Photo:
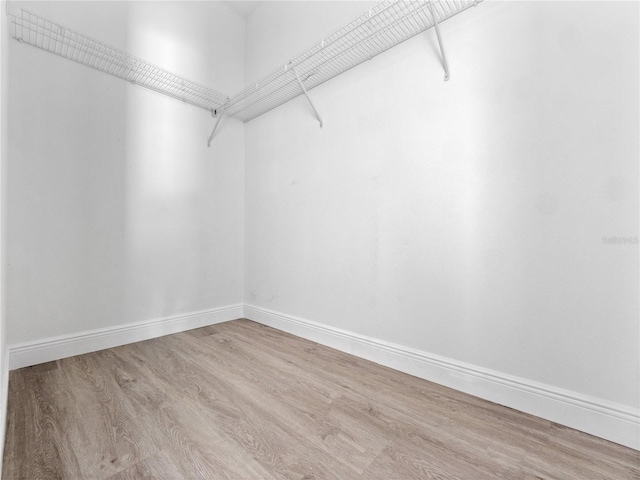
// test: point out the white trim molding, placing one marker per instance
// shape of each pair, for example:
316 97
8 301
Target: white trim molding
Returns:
41 351
608 420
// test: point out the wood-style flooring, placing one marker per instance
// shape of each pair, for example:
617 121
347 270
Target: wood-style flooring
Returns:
242 401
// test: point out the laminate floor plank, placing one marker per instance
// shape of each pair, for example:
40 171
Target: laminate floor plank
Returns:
290 425
416 407
213 418
234 407
158 466
302 407
404 433
240 400
36 420
165 412
109 435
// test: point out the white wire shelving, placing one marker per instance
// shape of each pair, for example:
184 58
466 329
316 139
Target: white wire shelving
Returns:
380 28
385 25
39 32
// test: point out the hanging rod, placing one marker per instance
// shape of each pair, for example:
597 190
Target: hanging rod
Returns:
36 31
383 26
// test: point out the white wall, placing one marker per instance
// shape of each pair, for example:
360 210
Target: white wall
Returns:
464 219
117 210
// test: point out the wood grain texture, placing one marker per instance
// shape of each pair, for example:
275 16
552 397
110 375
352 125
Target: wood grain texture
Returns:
240 400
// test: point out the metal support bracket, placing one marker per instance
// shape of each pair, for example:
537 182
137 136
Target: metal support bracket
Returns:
444 57
220 116
304 90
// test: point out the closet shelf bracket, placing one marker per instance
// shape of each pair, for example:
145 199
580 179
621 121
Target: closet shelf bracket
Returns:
220 115
304 90
440 43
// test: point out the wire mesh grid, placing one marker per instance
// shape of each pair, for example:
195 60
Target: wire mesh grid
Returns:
39 32
382 27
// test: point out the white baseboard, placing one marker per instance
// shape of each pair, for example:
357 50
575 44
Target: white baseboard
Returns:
47 350
614 422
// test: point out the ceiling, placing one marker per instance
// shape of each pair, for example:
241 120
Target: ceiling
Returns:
244 8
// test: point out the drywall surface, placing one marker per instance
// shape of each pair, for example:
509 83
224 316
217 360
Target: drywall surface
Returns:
117 210
473 219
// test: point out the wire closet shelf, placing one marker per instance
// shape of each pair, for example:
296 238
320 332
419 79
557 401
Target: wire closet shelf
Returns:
39 32
385 25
